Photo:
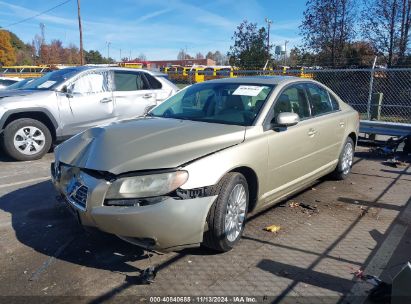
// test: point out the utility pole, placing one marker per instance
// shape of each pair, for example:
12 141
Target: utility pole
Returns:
81 33
285 52
268 21
185 57
108 49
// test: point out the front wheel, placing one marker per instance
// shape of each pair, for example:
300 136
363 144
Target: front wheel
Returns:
26 139
345 160
227 215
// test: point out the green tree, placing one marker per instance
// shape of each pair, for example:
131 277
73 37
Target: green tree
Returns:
16 42
7 53
93 57
300 57
250 48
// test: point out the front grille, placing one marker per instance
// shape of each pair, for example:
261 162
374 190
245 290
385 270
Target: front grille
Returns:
78 195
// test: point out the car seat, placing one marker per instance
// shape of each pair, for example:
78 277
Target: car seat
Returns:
283 104
233 102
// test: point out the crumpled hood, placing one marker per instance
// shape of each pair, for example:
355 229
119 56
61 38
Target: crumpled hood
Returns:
146 144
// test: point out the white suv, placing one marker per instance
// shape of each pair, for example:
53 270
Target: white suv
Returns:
65 102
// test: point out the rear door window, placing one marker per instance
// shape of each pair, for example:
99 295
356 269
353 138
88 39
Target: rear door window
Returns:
319 100
130 81
334 102
154 83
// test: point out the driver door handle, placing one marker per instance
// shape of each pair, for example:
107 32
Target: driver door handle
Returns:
311 132
106 100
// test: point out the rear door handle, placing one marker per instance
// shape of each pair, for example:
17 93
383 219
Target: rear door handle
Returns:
342 124
312 132
106 100
146 96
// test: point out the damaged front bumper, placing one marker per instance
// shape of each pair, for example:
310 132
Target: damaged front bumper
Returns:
170 224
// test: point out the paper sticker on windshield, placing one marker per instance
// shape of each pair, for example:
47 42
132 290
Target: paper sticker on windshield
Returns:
248 90
46 84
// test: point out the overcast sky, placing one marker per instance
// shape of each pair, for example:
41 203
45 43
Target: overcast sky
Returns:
157 28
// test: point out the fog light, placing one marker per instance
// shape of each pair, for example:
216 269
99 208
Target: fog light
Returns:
135 202
123 203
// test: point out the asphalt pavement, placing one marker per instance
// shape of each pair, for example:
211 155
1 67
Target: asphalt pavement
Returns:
328 231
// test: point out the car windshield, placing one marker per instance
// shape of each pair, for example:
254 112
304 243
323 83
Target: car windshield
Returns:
51 80
226 103
20 84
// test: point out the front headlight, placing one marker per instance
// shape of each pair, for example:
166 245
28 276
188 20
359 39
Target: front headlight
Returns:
146 185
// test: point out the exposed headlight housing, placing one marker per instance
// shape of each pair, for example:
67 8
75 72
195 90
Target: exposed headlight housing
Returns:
146 185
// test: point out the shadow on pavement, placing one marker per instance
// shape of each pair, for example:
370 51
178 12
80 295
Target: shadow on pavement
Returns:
49 228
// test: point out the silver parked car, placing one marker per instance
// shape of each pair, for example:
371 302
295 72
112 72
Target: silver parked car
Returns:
190 171
19 84
65 102
5 82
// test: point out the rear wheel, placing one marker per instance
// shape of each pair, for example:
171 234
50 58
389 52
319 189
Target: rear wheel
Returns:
227 215
345 160
26 139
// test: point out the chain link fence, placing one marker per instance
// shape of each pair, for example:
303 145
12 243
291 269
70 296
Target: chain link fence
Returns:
377 94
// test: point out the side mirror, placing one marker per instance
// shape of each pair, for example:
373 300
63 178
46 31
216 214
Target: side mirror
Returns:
67 91
148 109
286 119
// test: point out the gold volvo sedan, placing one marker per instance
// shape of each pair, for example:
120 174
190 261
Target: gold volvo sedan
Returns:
190 170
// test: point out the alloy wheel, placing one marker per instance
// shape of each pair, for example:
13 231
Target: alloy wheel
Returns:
347 159
235 214
29 140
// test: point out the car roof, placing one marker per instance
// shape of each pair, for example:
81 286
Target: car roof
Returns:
116 68
273 80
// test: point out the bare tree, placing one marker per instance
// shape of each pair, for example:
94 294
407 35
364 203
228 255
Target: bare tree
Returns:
142 57
386 24
210 55
181 55
327 27
405 17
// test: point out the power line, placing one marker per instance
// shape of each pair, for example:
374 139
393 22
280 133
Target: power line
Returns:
37 15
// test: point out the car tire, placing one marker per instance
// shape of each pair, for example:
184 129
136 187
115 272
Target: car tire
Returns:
26 139
407 145
345 160
229 208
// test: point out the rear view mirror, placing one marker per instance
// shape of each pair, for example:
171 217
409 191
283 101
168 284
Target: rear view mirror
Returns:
287 119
